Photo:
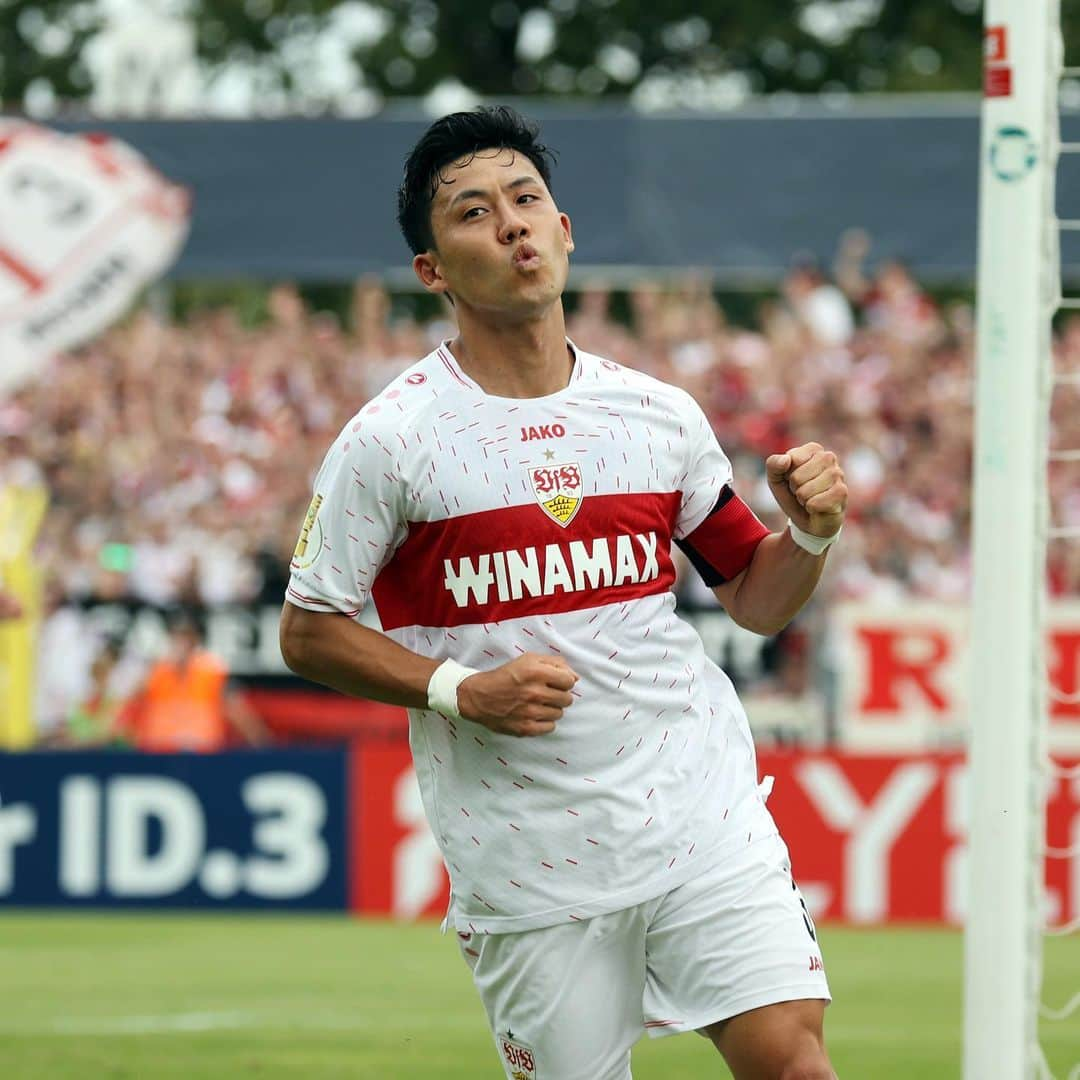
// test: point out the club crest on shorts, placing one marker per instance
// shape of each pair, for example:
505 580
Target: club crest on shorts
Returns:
519 1057
558 490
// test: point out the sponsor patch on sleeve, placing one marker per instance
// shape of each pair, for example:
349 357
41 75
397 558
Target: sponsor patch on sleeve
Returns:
311 539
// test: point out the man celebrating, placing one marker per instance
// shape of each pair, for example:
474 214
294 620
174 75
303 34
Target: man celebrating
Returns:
503 513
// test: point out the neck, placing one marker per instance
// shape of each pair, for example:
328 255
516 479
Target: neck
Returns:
517 360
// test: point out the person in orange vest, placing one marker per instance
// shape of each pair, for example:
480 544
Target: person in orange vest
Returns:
187 703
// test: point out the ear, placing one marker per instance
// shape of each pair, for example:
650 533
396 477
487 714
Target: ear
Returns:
426 267
568 235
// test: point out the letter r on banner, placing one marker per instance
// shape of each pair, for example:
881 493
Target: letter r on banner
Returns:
901 661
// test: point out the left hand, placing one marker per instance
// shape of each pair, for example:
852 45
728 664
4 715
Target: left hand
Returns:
808 485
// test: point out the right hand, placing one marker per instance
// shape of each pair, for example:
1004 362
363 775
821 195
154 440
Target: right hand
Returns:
523 697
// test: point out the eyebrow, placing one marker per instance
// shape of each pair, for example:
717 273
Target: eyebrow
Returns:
474 193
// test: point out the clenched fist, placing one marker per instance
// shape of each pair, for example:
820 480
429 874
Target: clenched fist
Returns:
523 697
808 484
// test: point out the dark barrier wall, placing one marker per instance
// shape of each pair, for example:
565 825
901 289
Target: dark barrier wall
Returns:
241 829
739 193
246 638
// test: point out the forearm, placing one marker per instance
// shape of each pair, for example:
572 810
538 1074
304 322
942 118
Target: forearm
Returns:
333 650
245 720
780 579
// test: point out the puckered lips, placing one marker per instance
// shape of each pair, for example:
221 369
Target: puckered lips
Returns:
526 257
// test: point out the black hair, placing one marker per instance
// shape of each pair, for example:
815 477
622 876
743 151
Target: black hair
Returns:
455 136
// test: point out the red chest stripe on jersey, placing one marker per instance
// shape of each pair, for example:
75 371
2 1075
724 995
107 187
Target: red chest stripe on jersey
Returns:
516 562
722 546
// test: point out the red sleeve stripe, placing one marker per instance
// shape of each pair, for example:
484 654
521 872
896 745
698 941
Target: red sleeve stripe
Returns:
308 599
722 546
291 592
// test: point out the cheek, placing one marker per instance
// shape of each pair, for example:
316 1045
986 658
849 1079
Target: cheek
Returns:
470 274
464 266
476 270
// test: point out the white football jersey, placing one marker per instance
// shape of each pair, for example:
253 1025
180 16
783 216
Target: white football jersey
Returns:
479 528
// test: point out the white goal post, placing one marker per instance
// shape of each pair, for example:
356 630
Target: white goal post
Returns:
1018 290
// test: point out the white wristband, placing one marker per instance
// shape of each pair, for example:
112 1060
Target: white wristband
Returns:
442 689
809 542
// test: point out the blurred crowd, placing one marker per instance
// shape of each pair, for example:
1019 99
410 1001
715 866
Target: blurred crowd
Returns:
179 457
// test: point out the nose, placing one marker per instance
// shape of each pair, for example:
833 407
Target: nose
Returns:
513 226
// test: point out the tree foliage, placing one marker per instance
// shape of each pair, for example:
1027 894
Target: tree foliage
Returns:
696 51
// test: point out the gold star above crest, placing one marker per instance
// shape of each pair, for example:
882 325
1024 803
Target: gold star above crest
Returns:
549 455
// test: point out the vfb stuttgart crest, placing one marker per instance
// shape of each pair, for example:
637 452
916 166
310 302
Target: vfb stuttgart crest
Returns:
558 491
519 1057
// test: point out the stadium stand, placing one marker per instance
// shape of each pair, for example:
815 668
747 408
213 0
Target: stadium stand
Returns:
178 456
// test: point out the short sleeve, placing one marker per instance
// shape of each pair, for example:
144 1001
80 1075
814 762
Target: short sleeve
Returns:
353 524
715 529
708 472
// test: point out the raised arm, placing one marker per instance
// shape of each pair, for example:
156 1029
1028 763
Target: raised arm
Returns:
808 485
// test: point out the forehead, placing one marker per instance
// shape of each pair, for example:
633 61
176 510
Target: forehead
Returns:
484 169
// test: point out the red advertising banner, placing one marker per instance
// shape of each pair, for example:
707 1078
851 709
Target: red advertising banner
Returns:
996 44
397 868
874 839
997 73
997 81
906 676
882 839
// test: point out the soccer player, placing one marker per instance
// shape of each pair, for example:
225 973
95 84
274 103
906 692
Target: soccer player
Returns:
489 544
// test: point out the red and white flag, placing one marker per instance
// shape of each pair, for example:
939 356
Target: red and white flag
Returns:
85 223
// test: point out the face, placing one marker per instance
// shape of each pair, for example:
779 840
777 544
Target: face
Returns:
501 245
185 640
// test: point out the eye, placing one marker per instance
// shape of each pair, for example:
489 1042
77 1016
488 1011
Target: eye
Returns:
526 195
472 212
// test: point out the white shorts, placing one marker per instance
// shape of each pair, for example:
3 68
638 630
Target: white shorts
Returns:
568 1002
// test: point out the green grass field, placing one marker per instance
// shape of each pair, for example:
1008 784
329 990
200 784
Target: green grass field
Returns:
87 996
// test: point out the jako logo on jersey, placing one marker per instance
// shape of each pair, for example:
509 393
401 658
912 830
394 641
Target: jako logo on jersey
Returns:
558 491
570 567
544 431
